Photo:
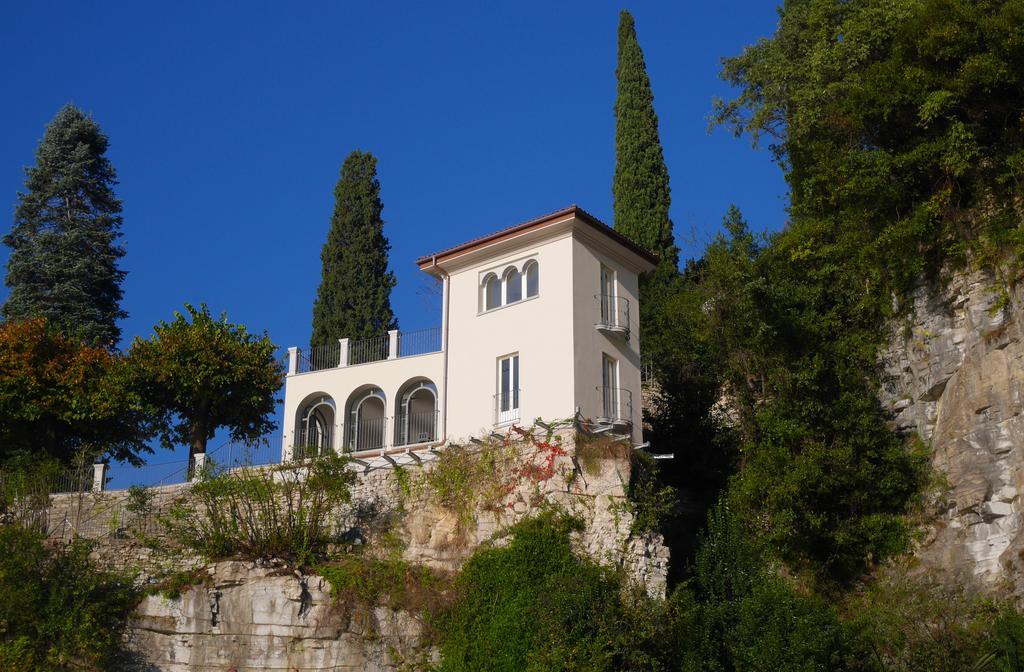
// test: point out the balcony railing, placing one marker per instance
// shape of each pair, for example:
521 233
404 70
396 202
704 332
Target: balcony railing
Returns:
419 342
319 357
415 428
391 345
506 407
367 434
312 444
373 349
616 405
614 313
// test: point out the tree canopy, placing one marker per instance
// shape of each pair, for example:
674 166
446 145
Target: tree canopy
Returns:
64 250
58 396
354 298
640 187
201 374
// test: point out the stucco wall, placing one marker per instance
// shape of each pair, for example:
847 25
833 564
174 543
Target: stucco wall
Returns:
539 329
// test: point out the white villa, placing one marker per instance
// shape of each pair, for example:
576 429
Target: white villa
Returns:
539 321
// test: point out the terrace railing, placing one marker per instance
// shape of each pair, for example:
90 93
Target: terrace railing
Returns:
319 357
373 349
415 428
617 404
419 342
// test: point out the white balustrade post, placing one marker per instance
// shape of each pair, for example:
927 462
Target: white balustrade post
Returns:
99 476
293 361
343 359
198 466
393 344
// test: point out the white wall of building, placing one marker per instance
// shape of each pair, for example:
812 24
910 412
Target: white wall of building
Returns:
390 375
560 350
538 329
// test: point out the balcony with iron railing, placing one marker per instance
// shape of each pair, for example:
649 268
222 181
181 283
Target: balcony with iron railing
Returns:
347 352
616 405
613 317
312 443
506 407
416 428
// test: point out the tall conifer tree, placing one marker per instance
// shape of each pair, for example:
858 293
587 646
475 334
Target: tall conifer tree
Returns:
64 250
354 299
640 188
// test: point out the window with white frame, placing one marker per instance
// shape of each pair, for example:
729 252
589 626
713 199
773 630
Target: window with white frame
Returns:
492 291
507 400
610 386
532 278
513 285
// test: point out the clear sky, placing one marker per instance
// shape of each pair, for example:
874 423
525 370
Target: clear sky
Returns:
228 123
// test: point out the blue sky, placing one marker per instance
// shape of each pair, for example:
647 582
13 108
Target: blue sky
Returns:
228 124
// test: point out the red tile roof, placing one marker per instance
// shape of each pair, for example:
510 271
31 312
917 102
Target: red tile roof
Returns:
574 210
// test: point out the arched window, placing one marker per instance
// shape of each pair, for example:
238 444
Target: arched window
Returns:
513 285
492 292
532 278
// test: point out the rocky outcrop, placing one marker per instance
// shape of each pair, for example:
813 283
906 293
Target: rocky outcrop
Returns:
251 617
955 376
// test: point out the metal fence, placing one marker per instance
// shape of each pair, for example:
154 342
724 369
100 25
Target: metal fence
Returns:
414 428
419 342
372 349
319 357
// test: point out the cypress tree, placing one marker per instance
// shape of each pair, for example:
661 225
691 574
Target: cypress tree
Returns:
640 187
64 250
354 298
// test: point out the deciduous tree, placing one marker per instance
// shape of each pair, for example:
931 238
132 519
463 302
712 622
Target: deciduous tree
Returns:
202 374
64 250
58 396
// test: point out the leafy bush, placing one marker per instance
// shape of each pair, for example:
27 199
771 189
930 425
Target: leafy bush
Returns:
391 582
737 613
290 513
532 605
57 610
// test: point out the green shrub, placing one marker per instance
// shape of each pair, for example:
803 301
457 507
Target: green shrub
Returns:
393 582
532 605
290 513
57 610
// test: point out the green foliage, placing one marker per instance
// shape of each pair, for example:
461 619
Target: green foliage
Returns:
652 503
390 582
899 126
354 298
57 610
59 396
641 186
201 374
64 252
532 605
737 613
284 512
914 622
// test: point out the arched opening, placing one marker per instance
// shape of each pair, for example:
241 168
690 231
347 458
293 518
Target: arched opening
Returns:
492 292
416 418
367 424
513 285
314 430
532 279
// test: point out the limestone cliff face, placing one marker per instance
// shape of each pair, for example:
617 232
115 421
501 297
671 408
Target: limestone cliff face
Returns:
955 375
252 617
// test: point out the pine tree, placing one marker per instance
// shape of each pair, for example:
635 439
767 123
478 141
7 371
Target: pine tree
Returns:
354 298
64 250
640 188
